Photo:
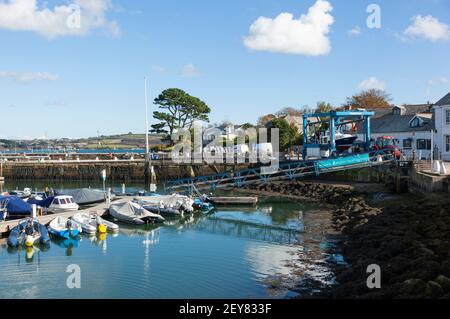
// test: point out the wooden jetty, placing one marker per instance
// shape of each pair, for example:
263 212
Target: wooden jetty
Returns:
101 210
234 200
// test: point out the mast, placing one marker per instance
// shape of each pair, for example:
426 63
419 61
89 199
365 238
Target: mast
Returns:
146 118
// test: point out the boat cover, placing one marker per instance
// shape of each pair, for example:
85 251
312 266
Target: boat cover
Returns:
43 203
16 206
84 196
132 212
169 201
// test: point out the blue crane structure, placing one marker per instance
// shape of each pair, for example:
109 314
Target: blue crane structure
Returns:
334 119
296 169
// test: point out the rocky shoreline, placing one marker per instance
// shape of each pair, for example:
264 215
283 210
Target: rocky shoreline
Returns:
408 239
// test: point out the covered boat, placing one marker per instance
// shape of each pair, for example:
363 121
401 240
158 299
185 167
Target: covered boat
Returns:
85 196
28 232
64 228
133 213
91 223
15 207
170 205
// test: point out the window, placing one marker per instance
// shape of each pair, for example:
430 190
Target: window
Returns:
447 116
416 122
424 144
447 143
397 111
407 143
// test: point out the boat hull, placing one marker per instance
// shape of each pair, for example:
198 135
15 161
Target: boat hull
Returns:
66 234
344 144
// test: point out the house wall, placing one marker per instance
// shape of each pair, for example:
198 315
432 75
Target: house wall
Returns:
420 154
443 129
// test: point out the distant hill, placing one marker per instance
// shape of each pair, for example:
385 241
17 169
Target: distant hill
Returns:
121 141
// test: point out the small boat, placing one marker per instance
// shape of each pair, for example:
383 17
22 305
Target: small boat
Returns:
133 213
158 208
91 223
85 196
163 211
201 204
64 227
56 204
171 205
21 194
344 141
28 232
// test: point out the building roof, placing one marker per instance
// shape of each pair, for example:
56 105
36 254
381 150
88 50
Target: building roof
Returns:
385 121
399 123
444 101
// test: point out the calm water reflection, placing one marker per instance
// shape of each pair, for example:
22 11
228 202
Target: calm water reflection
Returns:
227 254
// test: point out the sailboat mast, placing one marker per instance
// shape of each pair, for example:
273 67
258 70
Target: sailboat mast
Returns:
146 118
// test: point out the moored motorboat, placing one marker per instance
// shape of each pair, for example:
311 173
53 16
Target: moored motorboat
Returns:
133 213
91 223
56 204
28 232
64 227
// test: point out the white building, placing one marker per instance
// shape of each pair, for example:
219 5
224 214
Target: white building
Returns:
442 125
411 125
416 128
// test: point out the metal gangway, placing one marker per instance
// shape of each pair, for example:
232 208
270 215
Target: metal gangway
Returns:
284 171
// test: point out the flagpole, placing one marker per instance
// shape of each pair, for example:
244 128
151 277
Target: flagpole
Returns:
146 118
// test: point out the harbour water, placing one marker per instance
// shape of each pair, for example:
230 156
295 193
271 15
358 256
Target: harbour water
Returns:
234 252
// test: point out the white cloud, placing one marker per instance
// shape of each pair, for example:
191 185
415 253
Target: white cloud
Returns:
428 27
190 71
355 31
75 19
28 77
285 34
372 83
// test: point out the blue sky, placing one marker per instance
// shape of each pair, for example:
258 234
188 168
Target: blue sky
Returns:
65 84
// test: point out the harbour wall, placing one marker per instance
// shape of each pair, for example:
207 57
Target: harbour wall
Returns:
120 171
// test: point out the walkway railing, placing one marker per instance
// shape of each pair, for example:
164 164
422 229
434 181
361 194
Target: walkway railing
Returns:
285 171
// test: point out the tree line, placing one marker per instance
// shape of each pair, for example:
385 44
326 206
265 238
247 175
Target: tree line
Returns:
179 110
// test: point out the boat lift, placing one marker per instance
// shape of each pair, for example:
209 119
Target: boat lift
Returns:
335 119
308 167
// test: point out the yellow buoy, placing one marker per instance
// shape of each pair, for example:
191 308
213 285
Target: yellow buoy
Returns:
29 242
102 229
102 236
